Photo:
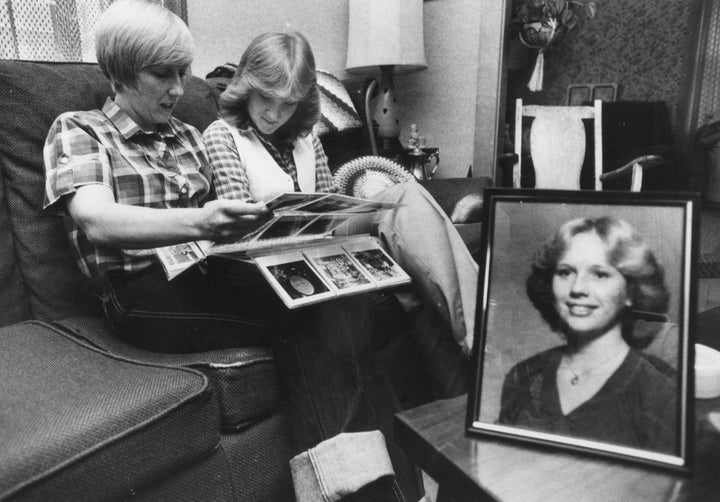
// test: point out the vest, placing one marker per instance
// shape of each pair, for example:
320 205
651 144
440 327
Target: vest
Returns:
266 178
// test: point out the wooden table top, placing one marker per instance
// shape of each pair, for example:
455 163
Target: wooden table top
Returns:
486 468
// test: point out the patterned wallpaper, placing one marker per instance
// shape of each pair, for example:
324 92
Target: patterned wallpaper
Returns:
638 44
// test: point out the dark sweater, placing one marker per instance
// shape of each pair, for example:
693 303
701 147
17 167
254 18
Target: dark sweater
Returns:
636 407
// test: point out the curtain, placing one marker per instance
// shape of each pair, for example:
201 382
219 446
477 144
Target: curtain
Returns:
56 30
709 106
699 102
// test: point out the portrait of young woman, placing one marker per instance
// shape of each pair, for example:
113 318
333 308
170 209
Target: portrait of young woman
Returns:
584 337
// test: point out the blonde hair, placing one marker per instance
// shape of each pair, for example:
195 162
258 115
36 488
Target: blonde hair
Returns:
626 251
133 35
281 65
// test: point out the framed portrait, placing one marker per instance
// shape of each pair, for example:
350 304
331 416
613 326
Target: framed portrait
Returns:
604 92
583 338
585 94
579 95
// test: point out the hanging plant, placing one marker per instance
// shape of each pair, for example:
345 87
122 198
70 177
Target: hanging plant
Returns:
542 24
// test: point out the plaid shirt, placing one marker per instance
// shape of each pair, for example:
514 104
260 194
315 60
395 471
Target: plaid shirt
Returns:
167 169
229 170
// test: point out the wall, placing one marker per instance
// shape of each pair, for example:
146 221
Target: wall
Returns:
440 99
223 28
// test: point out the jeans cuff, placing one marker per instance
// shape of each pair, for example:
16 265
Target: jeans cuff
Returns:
340 466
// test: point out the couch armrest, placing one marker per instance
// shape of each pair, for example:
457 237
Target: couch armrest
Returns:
460 198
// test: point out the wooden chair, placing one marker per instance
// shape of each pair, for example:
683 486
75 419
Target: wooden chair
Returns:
556 142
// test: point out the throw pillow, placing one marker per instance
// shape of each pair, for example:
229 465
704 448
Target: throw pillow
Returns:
336 106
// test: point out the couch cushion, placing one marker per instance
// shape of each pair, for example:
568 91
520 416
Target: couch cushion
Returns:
33 95
260 457
244 379
210 478
71 413
13 298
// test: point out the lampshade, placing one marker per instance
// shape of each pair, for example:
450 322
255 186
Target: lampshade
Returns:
385 32
385 35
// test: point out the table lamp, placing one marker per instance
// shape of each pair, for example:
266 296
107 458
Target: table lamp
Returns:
385 35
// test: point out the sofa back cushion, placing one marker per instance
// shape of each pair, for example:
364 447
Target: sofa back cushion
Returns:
38 276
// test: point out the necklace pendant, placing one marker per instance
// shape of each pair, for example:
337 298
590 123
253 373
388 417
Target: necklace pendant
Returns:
574 380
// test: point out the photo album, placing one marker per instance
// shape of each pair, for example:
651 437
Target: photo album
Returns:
297 254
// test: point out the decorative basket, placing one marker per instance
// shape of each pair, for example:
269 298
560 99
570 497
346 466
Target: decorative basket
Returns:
365 176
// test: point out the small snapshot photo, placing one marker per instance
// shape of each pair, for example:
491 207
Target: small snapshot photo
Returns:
323 224
339 269
332 203
183 253
377 263
605 92
579 95
582 336
294 279
285 225
291 199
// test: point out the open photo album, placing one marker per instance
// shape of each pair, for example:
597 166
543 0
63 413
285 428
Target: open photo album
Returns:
313 274
297 253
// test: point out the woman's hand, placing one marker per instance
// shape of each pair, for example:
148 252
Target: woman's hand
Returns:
105 222
232 219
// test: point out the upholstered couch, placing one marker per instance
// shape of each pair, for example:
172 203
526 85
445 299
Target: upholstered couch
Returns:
84 416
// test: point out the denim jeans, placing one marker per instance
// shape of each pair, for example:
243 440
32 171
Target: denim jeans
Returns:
350 466
422 239
325 354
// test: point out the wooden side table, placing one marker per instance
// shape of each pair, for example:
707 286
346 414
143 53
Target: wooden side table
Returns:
482 468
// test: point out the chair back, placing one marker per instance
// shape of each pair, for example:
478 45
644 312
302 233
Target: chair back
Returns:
556 142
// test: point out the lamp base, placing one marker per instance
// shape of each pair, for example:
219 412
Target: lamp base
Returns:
390 146
385 113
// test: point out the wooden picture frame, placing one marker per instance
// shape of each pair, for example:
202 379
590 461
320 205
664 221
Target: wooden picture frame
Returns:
604 92
585 94
522 387
579 95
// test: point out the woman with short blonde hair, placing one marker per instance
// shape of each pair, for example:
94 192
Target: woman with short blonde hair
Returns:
136 35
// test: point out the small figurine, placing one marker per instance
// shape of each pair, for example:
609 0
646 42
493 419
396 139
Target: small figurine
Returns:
414 140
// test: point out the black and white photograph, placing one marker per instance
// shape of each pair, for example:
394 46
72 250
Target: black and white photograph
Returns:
322 224
584 339
148 146
578 95
339 269
294 279
285 226
289 200
605 92
184 253
377 263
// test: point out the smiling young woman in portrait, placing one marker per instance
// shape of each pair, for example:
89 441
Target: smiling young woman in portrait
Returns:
587 282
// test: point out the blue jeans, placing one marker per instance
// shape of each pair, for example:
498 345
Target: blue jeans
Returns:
350 466
441 300
325 354
422 239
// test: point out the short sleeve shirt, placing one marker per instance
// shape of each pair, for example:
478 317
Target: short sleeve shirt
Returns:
164 169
